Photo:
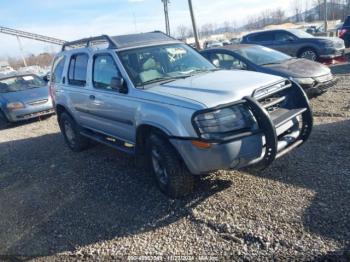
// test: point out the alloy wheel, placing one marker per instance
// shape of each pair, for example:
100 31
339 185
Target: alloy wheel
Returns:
159 167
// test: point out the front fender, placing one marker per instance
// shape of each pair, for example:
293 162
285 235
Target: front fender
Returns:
172 120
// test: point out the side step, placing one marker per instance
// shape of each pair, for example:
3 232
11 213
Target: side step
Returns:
110 141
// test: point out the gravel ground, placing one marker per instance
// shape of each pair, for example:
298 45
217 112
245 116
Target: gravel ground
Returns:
60 205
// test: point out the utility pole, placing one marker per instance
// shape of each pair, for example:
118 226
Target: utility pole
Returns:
195 32
325 17
166 14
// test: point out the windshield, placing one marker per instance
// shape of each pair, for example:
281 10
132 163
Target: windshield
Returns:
159 63
20 83
300 33
260 55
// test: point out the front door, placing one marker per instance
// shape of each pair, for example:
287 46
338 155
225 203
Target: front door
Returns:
112 112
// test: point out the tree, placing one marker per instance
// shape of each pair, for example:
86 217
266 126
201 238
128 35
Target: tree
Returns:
182 32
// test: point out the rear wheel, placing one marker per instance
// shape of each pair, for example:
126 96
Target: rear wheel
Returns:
308 53
171 174
71 132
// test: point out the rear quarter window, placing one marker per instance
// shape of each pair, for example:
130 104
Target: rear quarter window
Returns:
57 69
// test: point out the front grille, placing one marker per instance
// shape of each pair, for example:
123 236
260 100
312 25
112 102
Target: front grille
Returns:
273 102
272 97
38 102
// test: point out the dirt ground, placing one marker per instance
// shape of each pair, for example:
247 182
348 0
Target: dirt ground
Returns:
60 205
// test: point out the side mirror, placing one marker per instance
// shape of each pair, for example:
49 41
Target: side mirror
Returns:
118 84
216 62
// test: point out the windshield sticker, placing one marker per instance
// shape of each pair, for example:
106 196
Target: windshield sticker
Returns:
28 78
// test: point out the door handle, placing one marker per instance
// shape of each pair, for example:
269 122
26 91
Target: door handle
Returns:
92 97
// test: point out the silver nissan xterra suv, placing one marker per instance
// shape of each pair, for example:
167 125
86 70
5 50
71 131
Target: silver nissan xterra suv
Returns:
157 98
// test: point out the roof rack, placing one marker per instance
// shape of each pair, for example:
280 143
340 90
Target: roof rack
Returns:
90 41
122 41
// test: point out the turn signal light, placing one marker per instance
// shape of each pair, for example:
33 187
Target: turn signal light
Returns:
201 144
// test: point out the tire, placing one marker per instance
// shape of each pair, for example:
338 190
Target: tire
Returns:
308 53
3 120
170 173
71 133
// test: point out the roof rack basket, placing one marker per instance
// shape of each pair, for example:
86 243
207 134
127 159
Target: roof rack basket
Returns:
87 42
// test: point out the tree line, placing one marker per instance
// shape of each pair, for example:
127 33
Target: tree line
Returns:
42 60
301 10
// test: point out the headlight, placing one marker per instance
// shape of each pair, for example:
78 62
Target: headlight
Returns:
219 123
15 105
304 81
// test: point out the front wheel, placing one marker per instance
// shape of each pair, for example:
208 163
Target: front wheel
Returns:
171 174
71 132
3 120
309 53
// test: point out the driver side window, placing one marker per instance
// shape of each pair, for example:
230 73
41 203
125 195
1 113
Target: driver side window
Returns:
105 72
227 61
283 37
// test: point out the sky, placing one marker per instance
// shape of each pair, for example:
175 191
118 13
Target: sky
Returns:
74 19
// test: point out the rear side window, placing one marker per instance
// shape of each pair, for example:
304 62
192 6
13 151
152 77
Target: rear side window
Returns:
262 37
78 69
57 69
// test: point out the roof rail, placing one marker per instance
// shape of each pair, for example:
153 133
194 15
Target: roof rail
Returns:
86 42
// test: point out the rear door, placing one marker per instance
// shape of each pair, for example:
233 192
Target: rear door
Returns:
76 85
263 38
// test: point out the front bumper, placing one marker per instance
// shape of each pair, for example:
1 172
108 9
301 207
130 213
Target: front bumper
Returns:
30 111
320 88
276 136
332 53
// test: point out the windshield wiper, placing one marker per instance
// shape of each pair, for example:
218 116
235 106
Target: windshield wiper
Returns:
168 79
162 79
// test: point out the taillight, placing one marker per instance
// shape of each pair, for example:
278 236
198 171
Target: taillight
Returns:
342 32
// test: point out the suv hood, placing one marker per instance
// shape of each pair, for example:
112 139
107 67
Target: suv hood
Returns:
299 68
218 87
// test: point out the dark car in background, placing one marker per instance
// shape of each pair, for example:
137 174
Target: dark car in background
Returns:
298 43
314 77
23 97
344 32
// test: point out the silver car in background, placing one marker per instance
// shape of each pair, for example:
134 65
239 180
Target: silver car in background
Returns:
22 97
298 43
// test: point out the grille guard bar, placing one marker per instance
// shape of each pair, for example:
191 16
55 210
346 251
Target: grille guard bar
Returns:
269 130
